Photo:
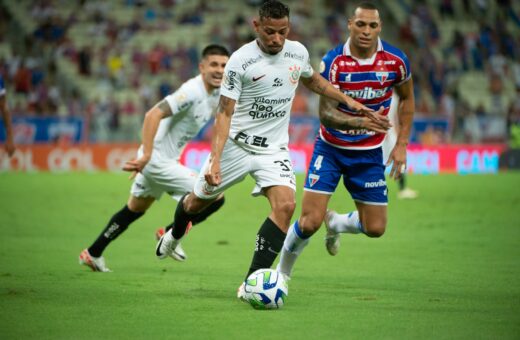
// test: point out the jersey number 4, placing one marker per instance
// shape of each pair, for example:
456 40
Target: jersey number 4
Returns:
317 162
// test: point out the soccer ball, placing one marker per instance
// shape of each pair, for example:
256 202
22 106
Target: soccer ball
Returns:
266 289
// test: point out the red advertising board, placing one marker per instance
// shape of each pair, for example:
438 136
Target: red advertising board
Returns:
111 157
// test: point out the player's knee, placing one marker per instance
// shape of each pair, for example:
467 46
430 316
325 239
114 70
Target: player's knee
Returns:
285 208
375 229
193 205
309 224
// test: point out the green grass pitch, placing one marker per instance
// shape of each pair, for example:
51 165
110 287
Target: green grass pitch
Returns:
447 268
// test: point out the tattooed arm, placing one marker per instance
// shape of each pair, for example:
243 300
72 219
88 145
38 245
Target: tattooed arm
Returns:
331 117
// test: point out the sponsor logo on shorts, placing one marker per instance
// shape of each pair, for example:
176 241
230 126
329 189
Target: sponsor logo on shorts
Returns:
380 183
259 77
313 179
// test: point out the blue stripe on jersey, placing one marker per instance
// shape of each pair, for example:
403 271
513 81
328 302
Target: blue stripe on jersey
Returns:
2 86
359 77
348 138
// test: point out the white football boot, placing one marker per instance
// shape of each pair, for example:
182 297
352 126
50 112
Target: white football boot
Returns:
407 194
167 246
332 241
241 292
97 264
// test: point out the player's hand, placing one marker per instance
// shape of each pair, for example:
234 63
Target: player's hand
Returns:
357 106
372 125
136 165
398 160
212 175
377 116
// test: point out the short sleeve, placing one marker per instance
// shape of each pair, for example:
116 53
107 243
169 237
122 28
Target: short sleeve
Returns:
307 70
404 73
326 64
232 83
182 99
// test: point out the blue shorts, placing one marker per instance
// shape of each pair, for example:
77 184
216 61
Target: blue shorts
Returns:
363 172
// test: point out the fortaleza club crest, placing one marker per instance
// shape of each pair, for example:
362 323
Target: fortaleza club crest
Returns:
294 74
313 178
382 76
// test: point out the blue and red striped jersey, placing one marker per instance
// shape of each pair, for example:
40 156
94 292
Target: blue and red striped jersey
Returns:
369 81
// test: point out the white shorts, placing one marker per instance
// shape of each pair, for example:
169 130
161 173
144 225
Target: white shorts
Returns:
236 163
172 178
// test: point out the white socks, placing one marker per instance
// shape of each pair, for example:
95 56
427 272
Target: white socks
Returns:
347 223
293 245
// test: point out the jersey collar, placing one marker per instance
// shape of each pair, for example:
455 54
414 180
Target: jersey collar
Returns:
346 51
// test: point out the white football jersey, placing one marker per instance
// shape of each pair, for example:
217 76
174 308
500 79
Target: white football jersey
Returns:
263 86
191 106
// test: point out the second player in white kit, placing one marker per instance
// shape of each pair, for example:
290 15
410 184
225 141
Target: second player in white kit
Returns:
167 128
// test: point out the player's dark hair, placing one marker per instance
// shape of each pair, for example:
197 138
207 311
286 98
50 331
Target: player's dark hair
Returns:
214 49
365 5
273 9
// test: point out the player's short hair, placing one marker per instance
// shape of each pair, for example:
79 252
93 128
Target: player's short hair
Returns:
214 49
365 5
273 9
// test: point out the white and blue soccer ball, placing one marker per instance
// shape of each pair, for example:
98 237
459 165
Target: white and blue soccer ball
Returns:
266 289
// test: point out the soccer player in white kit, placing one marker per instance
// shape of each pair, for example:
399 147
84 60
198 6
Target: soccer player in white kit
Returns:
251 131
167 128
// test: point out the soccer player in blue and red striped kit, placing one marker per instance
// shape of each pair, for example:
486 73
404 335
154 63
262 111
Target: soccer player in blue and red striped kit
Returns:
367 69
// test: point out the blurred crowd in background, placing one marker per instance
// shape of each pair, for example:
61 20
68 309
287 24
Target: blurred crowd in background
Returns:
110 61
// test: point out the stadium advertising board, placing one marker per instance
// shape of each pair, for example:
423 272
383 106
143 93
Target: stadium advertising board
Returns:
462 159
29 130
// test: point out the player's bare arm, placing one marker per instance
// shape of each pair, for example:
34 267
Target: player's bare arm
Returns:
151 123
333 118
321 86
6 116
405 114
225 109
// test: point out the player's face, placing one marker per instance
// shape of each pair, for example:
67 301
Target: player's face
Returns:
364 28
212 69
271 33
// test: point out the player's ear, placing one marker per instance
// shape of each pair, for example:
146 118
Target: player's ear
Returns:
202 65
256 25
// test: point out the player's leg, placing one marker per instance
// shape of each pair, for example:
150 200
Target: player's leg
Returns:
178 180
271 235
314 206
192 205
118 223
365 181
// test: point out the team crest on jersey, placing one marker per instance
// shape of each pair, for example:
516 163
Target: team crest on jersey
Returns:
348 77
313 179
294 74
382 76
